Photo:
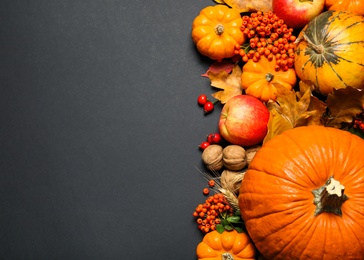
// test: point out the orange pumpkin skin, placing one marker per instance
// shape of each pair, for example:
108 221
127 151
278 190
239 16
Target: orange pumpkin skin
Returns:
259 79
216 31
228 244
355 6
330 51
277 203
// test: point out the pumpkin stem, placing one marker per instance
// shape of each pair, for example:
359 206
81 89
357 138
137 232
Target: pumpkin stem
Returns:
318 48
227 256
219 29
269 77
329 197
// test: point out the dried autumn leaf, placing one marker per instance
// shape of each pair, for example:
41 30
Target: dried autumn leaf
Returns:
315 104
216 67
250 5
343 105
230 83
288 111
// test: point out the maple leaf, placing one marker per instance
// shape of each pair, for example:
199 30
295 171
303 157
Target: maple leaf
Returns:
217 66
288 111
229 83
343 105
248 5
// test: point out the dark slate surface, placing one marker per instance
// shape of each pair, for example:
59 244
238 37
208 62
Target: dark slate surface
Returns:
99 129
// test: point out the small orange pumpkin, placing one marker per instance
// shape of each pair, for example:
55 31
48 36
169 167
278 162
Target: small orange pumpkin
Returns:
355 6
229 245
330 51
259 79
303 195
216 31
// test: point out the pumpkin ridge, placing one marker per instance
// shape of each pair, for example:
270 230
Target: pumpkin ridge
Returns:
336 73
353 230
304 151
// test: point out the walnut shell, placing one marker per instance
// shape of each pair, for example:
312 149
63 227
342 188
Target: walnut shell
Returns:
234 157
212 157
231 180
250 152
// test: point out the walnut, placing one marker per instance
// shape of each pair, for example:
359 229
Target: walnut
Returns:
250 153
234 157
231 180
212 157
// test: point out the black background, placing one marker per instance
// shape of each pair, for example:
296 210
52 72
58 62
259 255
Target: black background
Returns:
99 129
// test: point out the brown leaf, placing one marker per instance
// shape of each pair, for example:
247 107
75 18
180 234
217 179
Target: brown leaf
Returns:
288 111
343 105
250 5
216 67
315 104
229 83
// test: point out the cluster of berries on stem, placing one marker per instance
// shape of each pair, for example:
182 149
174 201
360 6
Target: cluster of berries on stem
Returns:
208 105
268 36
210 214
211 139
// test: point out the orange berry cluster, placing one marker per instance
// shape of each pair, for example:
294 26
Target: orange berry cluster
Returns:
268 36
208 214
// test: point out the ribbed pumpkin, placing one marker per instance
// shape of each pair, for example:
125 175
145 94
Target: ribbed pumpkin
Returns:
355 6
303 195
259 79
216 31
330 51
229 245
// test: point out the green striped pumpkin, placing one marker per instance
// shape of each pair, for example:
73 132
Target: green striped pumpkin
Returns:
330 52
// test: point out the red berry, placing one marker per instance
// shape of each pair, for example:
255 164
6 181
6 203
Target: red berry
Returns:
202 99
208 107
214 138
204 145
209 138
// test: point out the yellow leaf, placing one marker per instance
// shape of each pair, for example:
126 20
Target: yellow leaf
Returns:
276 124
343 105
250 5
229 83
288 111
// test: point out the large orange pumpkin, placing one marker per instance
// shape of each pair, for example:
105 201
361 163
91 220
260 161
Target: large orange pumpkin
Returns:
303 195
330 51
216 31
229 245
355 6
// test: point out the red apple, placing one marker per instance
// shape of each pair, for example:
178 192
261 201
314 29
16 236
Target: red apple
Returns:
297 13
243 120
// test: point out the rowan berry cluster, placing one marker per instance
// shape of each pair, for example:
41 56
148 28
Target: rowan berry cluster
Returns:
208 215
358 122
268 36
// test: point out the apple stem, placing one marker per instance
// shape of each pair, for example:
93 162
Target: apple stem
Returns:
306 1
269 77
